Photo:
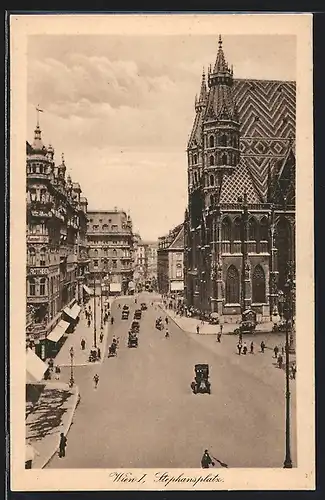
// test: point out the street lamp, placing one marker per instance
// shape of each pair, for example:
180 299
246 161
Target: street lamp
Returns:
95 327
71 367
287 314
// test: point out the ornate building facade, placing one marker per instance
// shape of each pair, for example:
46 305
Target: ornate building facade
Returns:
110 249
55 236
170 261
240 221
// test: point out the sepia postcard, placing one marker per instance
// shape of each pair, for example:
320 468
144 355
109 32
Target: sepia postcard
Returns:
161 252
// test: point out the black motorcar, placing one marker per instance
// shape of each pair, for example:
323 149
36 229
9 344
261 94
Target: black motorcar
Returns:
201 382
143 306
137 314
135 326
133 339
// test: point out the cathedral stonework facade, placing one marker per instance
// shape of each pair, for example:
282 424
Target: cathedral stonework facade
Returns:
240 222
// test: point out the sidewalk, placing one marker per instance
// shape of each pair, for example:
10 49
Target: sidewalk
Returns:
82 331
50 415
189 325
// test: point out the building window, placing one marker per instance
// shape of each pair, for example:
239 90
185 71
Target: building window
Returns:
32 256
114 264
258 285
32 288
178 273
42 286
42 261
211 180
96 252
96 263
114 227
224 159
252 229
195 159
226 229
105 227
232 286
223 140
211 141
236 229
211 161
264 233
195 177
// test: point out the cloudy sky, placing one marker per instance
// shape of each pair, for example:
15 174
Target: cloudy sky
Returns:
121 110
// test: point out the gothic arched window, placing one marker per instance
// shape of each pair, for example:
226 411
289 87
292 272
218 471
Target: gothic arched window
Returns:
264 233
211 160
224 159
195 177
223 140
211 141
226 229
237 229
252 229
258 285
211 180
195 159
232 285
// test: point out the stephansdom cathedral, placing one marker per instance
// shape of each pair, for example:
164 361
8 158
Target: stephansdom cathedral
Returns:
240 222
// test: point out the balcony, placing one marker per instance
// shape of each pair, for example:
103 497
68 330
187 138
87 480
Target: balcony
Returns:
37 238
37 299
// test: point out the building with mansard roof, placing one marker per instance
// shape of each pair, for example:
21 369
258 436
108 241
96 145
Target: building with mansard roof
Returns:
240 221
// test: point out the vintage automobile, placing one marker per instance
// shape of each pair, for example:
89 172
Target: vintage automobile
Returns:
125 314
159 324
137 314
143 306
201 382
133 339
135 326
248 322
214 319
112 350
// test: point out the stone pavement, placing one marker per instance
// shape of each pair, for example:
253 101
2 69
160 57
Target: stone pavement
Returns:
260 364
50 415
82 331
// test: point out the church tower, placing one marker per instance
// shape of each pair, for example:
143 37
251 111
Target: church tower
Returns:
220 129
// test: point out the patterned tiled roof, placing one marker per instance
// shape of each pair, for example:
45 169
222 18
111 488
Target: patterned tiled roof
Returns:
195 137
178 242
234 185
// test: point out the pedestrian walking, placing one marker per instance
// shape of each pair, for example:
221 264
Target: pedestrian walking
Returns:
62 445
262 346
239 347
252 348
198 329
101 337
89 322
221 328
282 350
219 337
244 348
98 352
96 380
280 361
83 344
166 320
166 333
57 373
276 350
206 460
293 371
240 337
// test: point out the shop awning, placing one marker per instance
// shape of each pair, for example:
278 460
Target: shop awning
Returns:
35 367
115 287
72 312
176 286
88 290
58 331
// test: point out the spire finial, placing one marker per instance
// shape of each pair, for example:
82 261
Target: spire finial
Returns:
38 111
62 158
203 74
220 42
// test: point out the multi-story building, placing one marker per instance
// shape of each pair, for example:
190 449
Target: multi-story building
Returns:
56 215
240 222
152 263
110 249
145 265
170 261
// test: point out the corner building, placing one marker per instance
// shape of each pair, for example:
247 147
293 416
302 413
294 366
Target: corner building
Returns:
240 221
110 250
56 220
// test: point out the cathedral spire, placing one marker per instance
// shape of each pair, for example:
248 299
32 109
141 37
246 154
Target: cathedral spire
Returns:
221 73
201 102
38 144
